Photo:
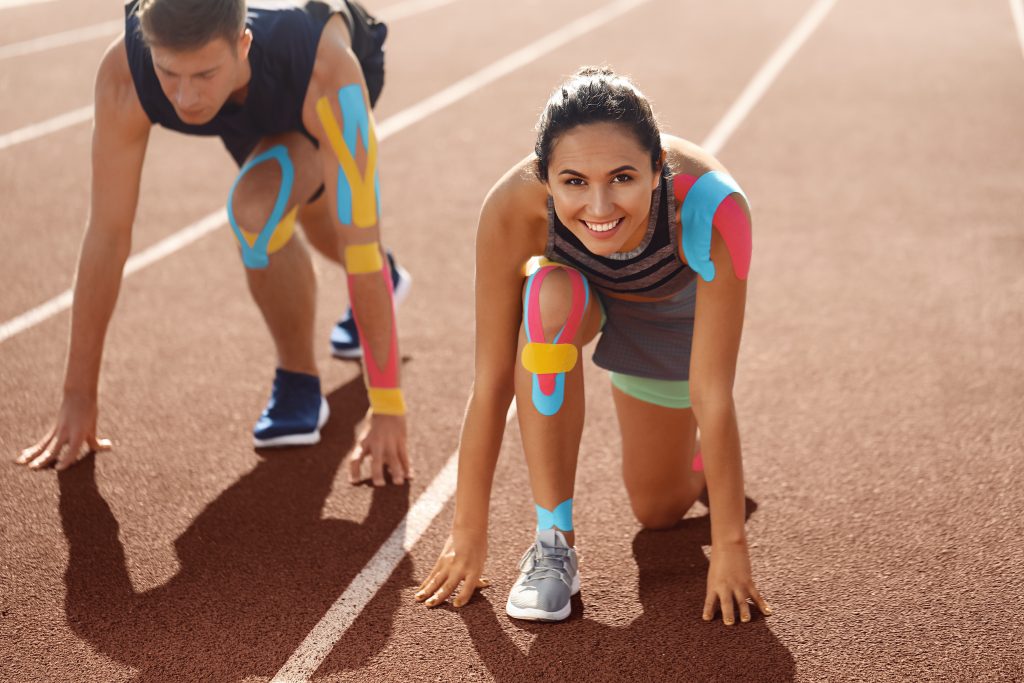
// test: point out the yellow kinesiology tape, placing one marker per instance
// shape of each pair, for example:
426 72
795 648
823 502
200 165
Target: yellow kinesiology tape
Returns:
281 235
357 191
363 258
387 401
549 359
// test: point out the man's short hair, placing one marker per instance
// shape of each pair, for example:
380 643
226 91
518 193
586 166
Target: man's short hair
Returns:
183 25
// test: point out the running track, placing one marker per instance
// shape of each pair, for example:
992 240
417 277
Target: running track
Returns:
881 383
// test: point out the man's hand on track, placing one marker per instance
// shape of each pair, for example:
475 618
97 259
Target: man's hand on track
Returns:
383 442
62 446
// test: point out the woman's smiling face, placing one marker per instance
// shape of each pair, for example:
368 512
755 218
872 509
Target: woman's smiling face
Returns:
601 180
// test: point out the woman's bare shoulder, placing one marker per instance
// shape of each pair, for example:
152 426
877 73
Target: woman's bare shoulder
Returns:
684 156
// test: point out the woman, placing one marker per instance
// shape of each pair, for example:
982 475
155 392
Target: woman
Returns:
602 198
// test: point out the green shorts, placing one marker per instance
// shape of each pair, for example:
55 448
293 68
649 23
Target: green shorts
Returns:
661 392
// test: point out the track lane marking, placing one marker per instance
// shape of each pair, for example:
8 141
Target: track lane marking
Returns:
390 126
312 652
62 39
8 4
403 10
1017 10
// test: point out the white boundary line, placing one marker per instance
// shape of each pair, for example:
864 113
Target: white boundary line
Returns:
38 130
1017 10
757 86
388 127
8 4
342 614
75 35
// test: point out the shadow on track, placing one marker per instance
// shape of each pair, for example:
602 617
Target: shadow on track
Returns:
668 642
259 567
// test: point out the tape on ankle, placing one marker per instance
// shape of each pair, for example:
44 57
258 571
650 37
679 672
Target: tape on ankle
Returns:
358 191
363 258
279 227
550 361
381 380
560 517
707 202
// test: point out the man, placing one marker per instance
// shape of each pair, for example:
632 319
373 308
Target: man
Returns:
288 89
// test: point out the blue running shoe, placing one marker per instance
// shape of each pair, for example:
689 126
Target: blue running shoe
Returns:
345 337
295 413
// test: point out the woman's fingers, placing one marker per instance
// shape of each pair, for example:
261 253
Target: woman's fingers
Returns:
709 606
761 603
728 609
743 601
428 587
446 589
469 586
32 452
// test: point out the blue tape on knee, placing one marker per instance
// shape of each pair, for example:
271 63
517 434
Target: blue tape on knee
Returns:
697 214
560 517
255 257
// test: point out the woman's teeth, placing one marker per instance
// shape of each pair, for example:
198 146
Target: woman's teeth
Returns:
602 227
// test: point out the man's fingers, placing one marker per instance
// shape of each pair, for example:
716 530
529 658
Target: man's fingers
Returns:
709 607
728 611
355 465
741 600
396 468
403 455
761 603
99 445
377 470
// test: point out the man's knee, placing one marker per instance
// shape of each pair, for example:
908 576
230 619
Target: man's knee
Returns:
260 208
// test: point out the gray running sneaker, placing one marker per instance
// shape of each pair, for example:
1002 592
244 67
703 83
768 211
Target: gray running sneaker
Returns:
548 578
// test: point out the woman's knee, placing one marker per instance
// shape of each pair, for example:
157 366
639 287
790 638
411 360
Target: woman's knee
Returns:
661 512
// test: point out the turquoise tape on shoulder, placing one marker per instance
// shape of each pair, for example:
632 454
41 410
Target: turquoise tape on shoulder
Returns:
697 214
255 257
560 517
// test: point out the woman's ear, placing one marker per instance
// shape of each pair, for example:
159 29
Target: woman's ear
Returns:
658 170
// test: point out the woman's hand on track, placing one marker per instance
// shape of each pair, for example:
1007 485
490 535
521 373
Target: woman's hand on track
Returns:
730 584
383 441
461 563
62 445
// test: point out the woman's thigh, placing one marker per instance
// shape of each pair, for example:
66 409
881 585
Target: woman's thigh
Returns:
658 446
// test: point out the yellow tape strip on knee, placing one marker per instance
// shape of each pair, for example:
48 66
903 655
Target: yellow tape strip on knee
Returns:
282 233
363 258
549 359
387 401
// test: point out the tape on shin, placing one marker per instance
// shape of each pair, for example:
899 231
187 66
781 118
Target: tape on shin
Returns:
550 361
706 202
560 517
358 191
279 227
381 380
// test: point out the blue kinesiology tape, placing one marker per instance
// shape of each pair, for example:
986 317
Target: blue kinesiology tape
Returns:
255 257
560 517
696 215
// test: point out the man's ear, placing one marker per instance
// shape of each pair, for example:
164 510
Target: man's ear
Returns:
244 43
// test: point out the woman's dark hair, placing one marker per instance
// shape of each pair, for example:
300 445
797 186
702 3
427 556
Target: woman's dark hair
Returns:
182 25
596 95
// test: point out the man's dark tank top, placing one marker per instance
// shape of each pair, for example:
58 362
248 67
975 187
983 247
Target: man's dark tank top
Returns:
283 51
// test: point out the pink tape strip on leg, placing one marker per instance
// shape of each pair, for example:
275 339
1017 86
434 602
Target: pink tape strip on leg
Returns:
534 326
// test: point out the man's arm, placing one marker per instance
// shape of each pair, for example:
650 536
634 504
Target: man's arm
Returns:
337 112
120 133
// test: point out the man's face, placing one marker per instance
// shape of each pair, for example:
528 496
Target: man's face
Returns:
198 82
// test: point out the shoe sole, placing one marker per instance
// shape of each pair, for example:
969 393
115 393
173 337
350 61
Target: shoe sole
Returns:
307 439
401 292
531 614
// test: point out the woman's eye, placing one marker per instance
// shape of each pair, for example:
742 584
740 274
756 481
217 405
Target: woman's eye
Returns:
576 182
622 178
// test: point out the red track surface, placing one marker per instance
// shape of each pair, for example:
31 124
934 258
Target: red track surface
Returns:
881 386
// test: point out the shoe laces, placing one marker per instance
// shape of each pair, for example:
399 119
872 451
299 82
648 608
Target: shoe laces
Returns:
545 562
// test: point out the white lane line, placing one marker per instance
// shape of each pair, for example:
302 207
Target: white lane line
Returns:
343 613
767 74
398 12
409 8
1017 10
38 130
321 640
7 4
387 128
54 40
